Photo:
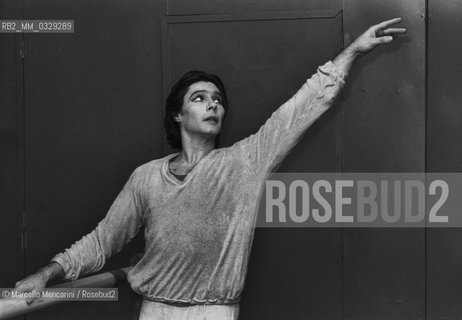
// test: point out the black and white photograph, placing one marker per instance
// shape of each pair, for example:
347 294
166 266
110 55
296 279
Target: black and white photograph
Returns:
230 159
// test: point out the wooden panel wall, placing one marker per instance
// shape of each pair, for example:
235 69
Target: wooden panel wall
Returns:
242 7
444 152
11 151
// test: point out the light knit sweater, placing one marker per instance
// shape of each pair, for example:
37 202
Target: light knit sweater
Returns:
199 231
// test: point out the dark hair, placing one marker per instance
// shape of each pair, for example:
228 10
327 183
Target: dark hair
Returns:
175 103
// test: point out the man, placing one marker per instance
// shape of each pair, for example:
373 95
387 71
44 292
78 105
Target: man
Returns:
198 206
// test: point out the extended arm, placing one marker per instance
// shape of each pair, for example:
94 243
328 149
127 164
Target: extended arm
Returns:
89 254
265 149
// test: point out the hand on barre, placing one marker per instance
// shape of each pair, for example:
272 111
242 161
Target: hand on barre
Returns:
37 282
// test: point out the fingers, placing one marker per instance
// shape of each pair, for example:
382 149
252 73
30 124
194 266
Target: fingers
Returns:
390 31
386 39
386 24
30 300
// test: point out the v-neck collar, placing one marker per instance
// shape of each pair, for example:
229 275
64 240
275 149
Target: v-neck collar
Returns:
172 178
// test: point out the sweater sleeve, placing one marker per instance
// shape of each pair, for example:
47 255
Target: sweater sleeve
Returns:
120 225
265 149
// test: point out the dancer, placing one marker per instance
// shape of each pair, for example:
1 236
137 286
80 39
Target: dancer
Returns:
198 206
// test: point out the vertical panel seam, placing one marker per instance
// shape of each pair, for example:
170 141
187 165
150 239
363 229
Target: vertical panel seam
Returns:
342 169
426 24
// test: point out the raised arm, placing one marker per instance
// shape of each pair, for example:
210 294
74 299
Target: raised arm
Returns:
265 149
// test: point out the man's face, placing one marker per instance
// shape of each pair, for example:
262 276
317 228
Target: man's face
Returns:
202 112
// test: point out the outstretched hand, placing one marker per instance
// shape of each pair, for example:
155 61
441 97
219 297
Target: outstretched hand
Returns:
376 35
